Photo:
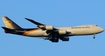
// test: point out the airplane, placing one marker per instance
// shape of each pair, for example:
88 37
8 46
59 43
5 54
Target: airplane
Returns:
51 33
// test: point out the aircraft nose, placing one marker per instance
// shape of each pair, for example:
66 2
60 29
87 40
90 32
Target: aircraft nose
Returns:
101 29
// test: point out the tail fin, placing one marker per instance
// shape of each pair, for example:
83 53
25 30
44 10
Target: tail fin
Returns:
10 24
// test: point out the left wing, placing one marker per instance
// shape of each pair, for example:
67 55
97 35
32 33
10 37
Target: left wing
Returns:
54 34
35 22
42 26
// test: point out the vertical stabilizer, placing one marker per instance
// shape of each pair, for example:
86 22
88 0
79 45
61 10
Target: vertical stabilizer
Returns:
9 23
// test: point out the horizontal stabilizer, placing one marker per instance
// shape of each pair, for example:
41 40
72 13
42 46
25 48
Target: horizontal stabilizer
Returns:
7 30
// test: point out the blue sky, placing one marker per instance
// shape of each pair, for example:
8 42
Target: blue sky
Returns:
56 13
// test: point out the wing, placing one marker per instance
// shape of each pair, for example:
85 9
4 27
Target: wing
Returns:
35 22
54 34
40 25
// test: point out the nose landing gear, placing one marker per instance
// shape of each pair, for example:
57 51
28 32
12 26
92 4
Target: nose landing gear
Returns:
94 36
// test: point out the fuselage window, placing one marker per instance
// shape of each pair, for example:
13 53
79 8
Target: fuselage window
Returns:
85 27
79 27
75 27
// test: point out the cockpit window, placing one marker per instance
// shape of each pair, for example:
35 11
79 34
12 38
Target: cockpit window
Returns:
96 25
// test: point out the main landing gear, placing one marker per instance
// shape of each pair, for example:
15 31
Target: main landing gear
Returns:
53 37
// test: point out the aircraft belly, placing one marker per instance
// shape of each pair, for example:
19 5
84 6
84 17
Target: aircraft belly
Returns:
37 33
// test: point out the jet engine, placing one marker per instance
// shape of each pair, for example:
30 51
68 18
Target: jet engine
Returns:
62 32
64 38
46 27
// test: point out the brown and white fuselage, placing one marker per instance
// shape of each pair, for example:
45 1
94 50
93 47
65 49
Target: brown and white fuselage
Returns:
75 31
52 33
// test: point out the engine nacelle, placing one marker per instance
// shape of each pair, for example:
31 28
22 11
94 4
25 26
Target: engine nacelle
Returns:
46 27
49 27
64 38
62 32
